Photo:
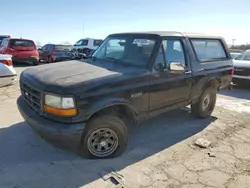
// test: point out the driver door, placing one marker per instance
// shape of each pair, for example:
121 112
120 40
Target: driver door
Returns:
170 88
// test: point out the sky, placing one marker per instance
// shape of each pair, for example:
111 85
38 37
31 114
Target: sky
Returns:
57 21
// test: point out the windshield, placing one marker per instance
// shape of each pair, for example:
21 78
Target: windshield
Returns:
234 55
244 56
81 43
3 37
127 49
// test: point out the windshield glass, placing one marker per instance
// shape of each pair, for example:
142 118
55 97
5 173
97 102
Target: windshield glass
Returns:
81 43
234 54
127 49
244 56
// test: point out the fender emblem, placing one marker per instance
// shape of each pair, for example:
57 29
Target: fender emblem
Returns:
136 95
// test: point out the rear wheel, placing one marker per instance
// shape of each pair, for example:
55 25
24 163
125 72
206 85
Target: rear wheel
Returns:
205 106
104 137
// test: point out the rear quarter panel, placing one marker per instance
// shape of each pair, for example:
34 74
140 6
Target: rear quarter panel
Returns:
205 72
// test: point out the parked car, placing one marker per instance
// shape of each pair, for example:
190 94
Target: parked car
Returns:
21 50
3 37
86 45
131 76
234 54
7 72
242 68
54 52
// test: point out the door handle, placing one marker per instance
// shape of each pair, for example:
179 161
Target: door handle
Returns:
188 72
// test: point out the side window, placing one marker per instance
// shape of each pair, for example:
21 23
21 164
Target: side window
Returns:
97 42
159 60
173 50
51 48
84 43
208 49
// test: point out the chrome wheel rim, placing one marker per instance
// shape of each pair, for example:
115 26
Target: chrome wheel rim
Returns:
102 142
207 102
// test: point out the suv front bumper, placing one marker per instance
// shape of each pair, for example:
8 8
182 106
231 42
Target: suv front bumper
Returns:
59 134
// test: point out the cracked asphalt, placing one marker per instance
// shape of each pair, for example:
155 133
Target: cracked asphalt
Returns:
160 154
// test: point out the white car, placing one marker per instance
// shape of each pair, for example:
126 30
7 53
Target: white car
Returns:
88 43
7 72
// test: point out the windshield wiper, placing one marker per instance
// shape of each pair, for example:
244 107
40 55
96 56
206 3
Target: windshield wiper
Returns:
119 61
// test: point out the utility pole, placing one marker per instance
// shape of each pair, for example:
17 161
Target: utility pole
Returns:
233 42
83 28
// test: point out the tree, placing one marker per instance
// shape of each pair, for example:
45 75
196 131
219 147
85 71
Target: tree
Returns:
65 42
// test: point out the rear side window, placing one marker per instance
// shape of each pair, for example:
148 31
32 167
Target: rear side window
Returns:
21 43
97 42
208 49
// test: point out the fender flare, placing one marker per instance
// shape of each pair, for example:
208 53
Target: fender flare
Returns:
211 80
101 105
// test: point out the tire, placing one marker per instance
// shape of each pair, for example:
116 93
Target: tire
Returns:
105 125
205 106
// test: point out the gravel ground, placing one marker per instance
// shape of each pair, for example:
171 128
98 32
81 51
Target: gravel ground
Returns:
161 152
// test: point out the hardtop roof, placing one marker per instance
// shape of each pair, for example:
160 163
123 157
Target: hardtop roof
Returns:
170 34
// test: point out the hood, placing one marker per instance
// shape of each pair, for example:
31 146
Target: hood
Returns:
241 63
75 76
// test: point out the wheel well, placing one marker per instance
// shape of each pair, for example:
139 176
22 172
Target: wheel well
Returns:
215 83
122 111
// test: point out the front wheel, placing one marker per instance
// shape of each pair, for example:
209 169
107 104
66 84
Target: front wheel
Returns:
205 106
104 137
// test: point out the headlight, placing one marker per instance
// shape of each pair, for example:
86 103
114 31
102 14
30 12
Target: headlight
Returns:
63 106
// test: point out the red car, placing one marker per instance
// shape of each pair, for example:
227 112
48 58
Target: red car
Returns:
22 50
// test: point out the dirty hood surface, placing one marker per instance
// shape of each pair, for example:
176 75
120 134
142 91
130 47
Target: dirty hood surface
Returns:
75 74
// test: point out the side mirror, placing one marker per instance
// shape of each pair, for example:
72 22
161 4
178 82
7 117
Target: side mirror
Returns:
160 66
177 66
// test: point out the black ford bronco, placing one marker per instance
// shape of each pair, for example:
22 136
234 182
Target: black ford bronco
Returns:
86 104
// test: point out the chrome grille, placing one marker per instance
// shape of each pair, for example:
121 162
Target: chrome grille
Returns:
31 96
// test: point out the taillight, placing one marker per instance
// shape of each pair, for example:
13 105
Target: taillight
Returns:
56 51
232 71
6 62
8 51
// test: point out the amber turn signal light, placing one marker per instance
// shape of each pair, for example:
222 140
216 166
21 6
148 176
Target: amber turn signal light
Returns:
60 112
